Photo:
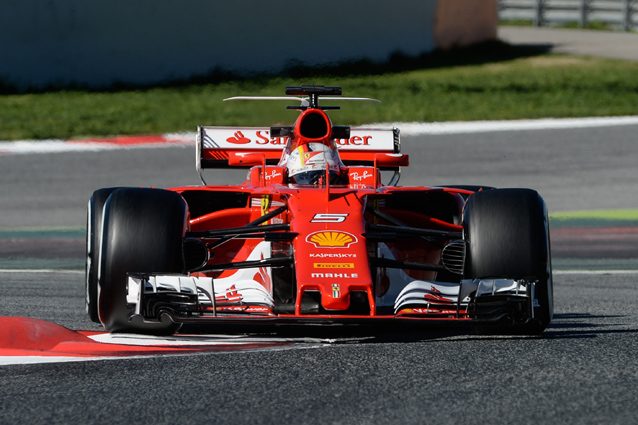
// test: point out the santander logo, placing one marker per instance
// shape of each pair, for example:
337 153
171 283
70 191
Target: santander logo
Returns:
262 137
355 141
238 138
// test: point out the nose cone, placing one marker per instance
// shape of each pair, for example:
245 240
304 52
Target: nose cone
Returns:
331 255
335 297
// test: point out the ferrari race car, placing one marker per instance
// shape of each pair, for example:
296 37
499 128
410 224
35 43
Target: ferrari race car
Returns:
314 236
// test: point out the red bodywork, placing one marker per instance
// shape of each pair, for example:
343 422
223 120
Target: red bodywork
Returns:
329 229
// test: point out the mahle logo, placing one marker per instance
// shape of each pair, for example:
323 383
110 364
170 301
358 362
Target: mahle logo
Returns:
331 239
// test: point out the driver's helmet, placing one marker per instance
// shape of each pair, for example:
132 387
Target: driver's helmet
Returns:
307 164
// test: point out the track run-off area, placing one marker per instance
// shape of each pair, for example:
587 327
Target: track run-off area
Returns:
582 370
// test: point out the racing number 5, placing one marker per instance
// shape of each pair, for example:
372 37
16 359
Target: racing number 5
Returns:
329 218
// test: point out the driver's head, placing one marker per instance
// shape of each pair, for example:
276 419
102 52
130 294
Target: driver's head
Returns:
307 164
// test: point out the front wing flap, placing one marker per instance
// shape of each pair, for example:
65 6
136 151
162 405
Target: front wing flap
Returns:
199 298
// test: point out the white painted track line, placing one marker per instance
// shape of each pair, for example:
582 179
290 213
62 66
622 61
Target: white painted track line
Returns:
197 340
461 127
42 271
596 272
24 360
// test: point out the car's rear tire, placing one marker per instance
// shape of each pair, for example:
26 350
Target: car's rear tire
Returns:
143 232
508 237
94 214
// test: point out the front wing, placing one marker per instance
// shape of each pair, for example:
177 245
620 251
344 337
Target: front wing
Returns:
190 299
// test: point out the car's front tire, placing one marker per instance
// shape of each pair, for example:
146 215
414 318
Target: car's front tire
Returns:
507 231
143 232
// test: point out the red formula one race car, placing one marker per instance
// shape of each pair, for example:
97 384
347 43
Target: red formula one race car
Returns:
314 236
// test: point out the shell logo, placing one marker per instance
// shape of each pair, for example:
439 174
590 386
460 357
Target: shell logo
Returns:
331 239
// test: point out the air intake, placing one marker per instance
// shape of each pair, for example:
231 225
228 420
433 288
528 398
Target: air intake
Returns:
314 125
453 257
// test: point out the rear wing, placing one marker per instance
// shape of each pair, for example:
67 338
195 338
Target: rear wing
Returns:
220 147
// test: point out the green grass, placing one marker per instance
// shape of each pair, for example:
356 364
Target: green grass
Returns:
524 87
42 232
603 215
591 25
594 218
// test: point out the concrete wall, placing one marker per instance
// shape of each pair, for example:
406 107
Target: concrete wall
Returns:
464 22
101 42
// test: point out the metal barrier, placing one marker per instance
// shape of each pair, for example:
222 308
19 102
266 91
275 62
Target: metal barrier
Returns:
621 14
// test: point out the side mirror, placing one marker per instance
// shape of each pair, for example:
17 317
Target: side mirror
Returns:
280 131
246 159
340 132
391 160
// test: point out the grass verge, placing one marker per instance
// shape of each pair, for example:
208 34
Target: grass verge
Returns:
475 85
595 218
590 25
615 215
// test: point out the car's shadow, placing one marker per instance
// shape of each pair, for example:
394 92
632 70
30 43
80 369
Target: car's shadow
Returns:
563 326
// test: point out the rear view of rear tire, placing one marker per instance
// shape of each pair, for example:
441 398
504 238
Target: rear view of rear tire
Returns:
508 237
143 232
93 244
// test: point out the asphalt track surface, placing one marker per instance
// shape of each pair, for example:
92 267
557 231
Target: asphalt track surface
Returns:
583 369
607 44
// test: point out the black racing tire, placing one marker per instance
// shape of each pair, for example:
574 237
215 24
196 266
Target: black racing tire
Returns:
94 212
143 232
507 231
